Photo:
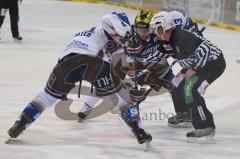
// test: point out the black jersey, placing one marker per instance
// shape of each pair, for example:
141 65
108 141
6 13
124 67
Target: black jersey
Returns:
192 50
154 51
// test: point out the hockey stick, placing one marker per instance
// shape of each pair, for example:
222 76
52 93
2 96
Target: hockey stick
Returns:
135 57
210 20
135 64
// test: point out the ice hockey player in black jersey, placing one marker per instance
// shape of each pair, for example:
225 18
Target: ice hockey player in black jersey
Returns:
147 52
202 63
155 51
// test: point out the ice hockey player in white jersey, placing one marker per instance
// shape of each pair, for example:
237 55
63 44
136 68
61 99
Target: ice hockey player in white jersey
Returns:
83 59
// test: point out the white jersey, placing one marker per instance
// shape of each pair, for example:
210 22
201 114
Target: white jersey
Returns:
179 19
92 42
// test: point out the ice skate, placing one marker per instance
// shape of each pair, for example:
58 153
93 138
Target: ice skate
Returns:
132 119
180 120
203 136
19 126
84 112
17 38
142 136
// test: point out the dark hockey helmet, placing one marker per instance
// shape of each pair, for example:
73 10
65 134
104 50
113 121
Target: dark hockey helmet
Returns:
143 19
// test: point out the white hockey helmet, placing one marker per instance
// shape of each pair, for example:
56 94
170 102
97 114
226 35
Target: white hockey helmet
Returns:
162 19
116 25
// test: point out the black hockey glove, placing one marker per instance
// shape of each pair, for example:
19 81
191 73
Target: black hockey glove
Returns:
154 77
137 95
127 37
146 78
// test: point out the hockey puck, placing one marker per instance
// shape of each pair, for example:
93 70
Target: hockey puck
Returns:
238 61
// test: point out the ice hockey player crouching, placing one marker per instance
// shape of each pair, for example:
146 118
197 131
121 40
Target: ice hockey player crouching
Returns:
202 63
83 59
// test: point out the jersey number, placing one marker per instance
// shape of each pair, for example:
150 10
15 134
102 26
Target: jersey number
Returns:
178 21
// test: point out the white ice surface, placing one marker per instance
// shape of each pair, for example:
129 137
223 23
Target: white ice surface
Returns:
46 27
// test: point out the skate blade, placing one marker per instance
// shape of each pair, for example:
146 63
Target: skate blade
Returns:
181 125
147 146
202 140
81 120
17 41
9 140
